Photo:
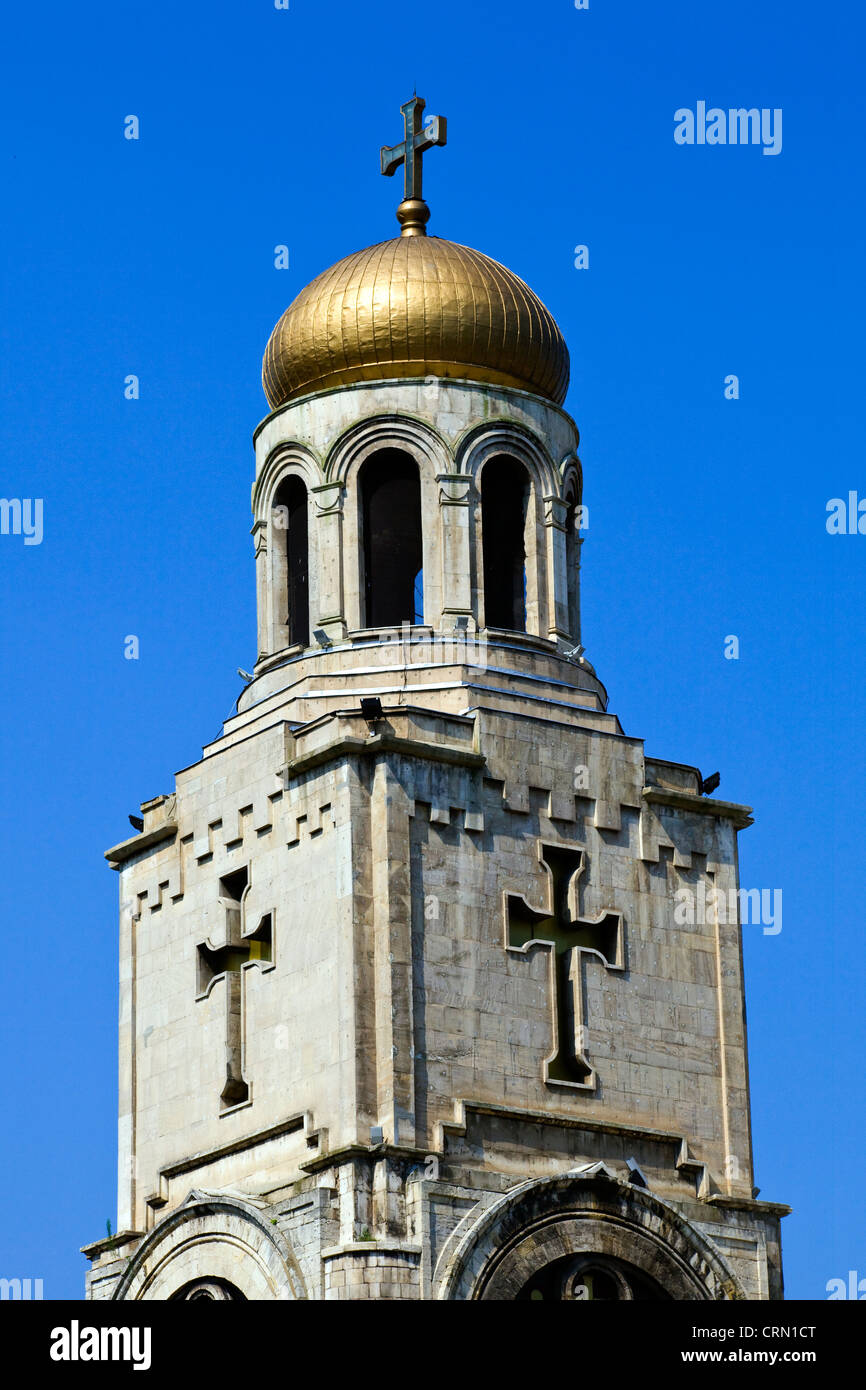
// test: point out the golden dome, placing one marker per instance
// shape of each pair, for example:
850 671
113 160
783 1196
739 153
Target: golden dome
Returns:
412 307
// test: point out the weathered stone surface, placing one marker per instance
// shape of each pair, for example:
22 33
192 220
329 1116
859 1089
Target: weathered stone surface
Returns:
398 1119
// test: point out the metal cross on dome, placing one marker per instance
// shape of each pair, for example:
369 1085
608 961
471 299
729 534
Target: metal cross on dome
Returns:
418 137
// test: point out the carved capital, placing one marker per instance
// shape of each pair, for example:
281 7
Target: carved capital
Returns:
328 499
259 534
555 512
455 489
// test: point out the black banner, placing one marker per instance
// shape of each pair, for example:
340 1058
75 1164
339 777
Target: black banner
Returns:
63 1339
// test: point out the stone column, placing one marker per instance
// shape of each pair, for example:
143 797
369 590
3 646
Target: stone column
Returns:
730 991
392 961
455 502
259 534
126 1187
555 514
574 587
326 561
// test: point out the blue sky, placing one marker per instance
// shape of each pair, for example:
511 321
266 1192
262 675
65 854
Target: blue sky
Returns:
707 515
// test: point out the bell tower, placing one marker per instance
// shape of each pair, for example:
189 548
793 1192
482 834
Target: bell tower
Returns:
407 1006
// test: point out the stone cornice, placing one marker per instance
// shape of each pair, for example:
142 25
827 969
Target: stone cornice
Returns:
129 849
347 745
97 1248
351 1152
718 1199
700 805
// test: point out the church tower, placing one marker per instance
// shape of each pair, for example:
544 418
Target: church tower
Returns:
412 1001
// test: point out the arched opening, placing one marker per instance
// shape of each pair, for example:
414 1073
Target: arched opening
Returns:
390 489
590 1279
293 569
505 491
210 1290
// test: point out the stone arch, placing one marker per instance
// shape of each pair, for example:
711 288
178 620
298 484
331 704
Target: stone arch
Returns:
484 447
547 1219
389 489
509 561
290 568
217 1240
285 463
571 479
500 437
387 431
347 456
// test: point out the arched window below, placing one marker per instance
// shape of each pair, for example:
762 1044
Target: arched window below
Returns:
591 1279
393 546
504 504
212 1290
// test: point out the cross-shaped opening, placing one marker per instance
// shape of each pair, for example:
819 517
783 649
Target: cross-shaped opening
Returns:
226 962
567 938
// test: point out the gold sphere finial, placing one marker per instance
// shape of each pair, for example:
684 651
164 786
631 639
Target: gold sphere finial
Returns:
413 215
